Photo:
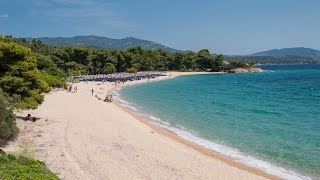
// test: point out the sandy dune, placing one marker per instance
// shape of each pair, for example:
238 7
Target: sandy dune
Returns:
80 137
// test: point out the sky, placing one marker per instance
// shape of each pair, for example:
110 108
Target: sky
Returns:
232 27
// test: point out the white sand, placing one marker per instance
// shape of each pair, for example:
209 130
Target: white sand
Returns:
80 137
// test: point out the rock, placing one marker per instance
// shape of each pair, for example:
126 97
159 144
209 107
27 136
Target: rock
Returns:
247 70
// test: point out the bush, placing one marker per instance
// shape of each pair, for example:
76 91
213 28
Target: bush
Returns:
8 127
53 81
20 167
132 70
240 64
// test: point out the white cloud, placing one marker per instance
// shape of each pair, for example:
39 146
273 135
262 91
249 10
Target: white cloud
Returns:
4 15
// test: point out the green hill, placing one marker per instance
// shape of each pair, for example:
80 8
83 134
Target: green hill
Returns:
103 42
297 51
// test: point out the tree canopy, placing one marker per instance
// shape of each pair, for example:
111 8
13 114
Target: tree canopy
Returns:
8 126
20 77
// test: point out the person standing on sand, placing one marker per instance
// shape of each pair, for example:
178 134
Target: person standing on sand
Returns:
70 88
92 91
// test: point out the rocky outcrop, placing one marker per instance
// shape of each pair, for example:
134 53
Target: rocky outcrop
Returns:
247 70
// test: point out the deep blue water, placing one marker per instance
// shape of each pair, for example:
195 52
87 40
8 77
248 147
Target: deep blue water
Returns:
272 116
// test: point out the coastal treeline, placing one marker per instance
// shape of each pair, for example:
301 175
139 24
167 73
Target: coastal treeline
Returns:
76 60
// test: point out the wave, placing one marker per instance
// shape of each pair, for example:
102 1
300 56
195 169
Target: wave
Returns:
222 149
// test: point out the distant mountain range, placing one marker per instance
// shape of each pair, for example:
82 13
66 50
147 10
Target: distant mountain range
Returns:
297 55
103 42
274 56
297 51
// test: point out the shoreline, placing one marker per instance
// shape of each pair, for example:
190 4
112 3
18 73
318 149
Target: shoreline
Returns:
201 148
211 153
80 137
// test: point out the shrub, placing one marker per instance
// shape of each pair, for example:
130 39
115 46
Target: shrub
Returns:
8 127
132 70
53 81
20 167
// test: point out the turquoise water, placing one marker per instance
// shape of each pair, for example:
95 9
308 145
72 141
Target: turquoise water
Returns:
272 116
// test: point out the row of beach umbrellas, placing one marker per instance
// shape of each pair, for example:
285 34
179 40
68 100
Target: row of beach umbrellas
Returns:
118 76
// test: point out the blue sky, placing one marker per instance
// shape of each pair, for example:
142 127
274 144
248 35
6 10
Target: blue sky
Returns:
222 26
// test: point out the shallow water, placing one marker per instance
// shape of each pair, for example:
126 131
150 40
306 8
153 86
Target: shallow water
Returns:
271 116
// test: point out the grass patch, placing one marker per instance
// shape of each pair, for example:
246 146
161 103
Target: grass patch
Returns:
21 168
26 149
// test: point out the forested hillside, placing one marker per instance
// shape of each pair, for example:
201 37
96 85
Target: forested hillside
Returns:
297 51
104 43
274 60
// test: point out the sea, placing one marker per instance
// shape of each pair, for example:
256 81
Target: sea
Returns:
269 120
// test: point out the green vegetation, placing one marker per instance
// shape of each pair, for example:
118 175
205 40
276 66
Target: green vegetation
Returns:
297 51
104 43
240 64
21 78
275 60
281 56
80 60
24 78
8 126
20 167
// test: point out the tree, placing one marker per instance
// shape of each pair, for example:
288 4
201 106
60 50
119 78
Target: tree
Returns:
81 55
46 65
21 78
75 69
175 61
11 53
122 62
8 128
189 60
217 63
109 68
38 47
204 59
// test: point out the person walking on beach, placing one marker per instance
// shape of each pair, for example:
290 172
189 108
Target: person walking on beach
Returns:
92 91
75 89
70 88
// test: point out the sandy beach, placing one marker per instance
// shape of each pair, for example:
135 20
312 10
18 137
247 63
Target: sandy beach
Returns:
81 137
